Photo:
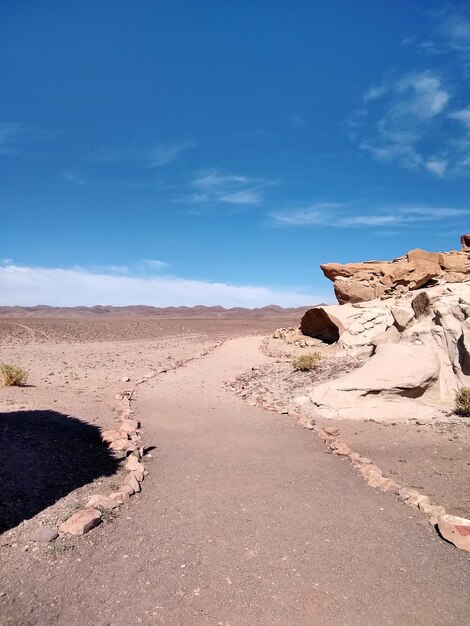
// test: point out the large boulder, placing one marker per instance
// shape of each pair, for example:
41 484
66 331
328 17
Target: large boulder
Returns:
360 282
385 387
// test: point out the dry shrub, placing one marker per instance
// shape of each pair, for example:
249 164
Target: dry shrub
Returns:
11 375
307 362
462 402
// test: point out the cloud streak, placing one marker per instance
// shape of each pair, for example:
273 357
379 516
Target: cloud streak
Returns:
158 155
164 154
74 177
336 215
214 186
29 286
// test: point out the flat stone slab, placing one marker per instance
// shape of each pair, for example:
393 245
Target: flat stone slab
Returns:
81 522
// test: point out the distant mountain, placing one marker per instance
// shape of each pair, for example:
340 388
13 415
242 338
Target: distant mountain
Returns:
142 311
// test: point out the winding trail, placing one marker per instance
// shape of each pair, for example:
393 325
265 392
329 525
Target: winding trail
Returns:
245 520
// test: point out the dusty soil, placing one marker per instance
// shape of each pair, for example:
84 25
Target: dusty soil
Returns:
51 459
432 457
243 519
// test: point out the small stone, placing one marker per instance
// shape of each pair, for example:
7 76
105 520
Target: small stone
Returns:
432 511
340 448
331 431
456 530
132 463
129 426
127 488
81 522
405 493
139 474
108 436
301 400
44 534
120 445
132 481
125 379
119 496
99 501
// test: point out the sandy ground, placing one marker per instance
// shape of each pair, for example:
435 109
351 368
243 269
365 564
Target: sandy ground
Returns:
432 457
75 369
243 518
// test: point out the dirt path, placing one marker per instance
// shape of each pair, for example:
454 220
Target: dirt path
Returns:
245 520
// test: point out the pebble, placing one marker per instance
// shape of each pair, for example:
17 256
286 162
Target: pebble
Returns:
44 534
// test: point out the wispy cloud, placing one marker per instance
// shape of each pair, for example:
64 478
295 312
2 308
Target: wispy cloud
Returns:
15 136
155 264
28 286
213 186
297 121
400 115
74 177
9 135
163 154
450 32
408 120
158 155
341 216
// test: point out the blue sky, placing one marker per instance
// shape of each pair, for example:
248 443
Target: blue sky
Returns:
170 152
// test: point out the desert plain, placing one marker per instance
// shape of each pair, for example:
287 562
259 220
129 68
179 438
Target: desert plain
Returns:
245 515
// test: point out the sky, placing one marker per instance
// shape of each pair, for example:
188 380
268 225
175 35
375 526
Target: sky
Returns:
179 153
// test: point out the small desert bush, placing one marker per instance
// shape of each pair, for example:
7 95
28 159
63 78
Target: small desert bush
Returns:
11 375
462 402
307 362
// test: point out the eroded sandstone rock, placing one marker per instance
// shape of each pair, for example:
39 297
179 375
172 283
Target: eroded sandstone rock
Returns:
359 282
383 387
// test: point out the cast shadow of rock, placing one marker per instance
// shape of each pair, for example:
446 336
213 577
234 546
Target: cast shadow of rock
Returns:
44 455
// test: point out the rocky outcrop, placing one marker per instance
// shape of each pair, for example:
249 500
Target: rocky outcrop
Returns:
360 282
424 333
384 387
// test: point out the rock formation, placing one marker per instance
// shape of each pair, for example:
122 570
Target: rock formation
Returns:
414 339
360 282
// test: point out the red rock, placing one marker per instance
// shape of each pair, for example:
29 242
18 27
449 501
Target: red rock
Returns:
108 436
331 431
359 282
120 445
102 502
81 522
132 481
456 530
129 426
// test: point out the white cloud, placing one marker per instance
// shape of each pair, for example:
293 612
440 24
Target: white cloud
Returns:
74 177
215 186
163 154
454 32
462 116
336 215
400 115
436 166
374 92
155 264
159 155
29 286
248 196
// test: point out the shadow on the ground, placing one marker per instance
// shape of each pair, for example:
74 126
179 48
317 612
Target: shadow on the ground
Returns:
44 455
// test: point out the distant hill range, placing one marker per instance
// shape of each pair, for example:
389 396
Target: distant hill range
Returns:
105 312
